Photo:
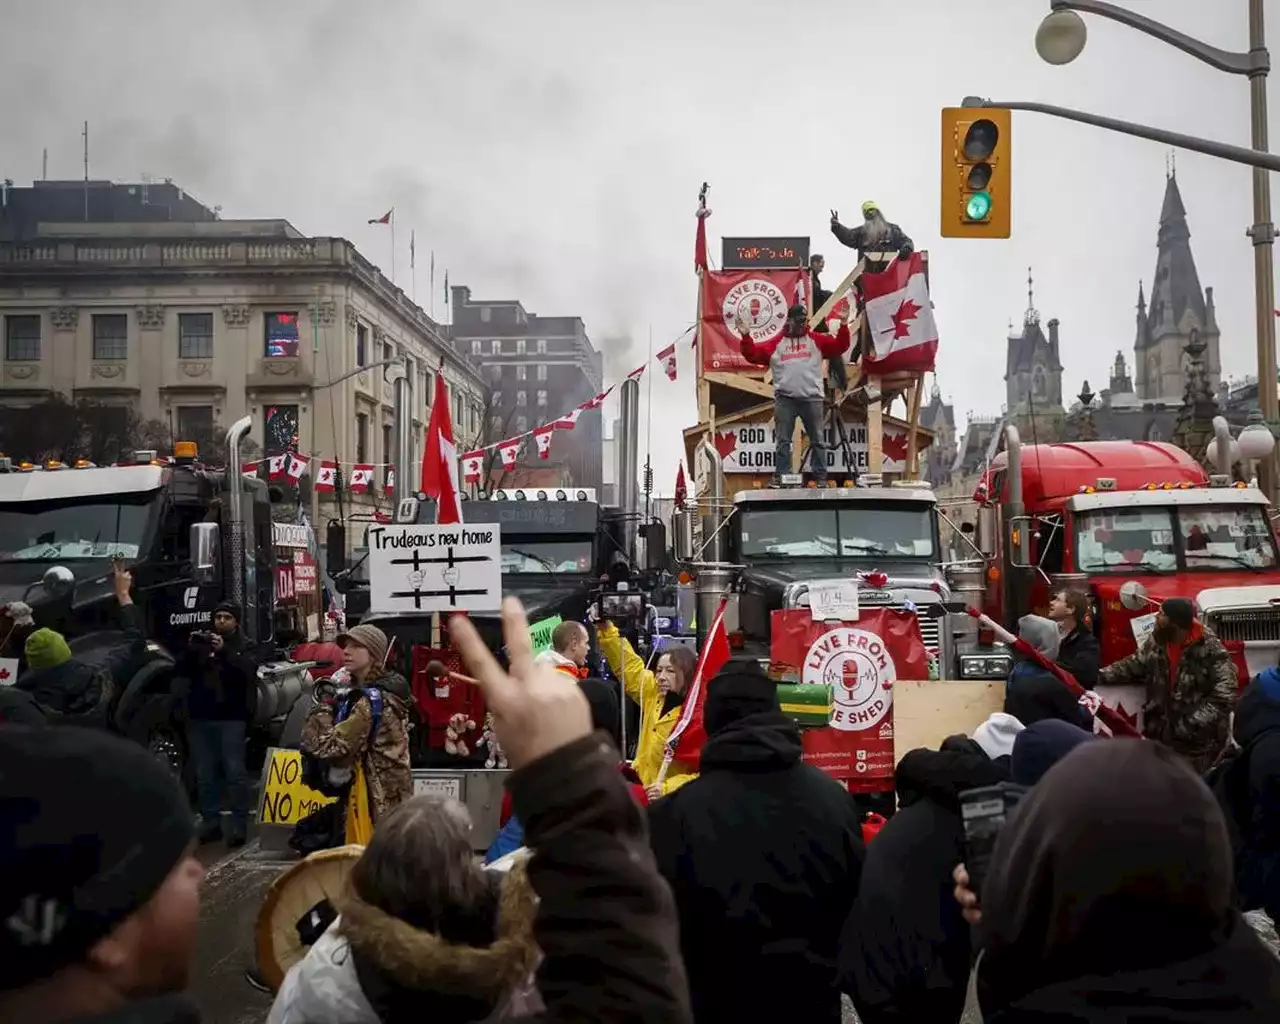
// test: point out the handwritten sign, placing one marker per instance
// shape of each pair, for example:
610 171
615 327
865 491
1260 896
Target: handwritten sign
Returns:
285 800
540 633
834 600
457 567
447 787
1143 626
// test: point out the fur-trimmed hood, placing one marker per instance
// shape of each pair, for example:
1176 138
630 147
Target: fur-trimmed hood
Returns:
325 988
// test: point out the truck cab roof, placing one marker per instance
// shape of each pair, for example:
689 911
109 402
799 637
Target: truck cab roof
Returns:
54 485
915 492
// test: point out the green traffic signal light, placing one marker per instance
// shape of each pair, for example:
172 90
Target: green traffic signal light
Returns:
978 206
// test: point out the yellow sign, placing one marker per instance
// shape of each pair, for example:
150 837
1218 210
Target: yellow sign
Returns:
285 800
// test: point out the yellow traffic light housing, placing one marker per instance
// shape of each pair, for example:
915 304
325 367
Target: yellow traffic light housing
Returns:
977 194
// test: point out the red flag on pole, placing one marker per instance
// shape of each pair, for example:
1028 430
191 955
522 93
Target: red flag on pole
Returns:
440 459
689 734
682 489
384 219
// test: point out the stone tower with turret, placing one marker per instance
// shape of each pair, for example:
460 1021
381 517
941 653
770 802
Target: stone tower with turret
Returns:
1033 375
1178 307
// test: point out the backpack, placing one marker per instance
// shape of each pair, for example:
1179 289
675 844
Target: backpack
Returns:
318 774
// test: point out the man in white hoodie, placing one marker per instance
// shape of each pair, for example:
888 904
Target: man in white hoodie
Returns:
570 643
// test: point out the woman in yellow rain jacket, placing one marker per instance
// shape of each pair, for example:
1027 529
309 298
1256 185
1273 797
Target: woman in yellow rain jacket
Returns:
660 695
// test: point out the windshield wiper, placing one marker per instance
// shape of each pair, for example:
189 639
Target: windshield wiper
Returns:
544 562
869 549
1238 559
1148 566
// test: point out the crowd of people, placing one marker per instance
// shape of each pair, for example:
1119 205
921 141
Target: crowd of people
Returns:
738 887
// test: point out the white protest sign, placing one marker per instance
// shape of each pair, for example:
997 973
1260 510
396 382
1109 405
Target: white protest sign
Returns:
454 568
8 671
834 600
1142 627
750 447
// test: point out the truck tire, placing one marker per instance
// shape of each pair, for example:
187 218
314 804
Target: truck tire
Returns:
157 724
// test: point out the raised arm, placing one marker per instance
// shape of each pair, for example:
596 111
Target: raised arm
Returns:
832 346
758 352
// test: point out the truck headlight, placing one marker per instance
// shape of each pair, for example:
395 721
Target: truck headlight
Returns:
985 666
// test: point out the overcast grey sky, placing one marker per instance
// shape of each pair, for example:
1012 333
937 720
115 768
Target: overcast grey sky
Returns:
551 150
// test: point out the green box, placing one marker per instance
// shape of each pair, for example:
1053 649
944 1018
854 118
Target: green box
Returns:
806 704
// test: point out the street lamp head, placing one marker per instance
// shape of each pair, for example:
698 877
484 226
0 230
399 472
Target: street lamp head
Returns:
1256 441
1061 37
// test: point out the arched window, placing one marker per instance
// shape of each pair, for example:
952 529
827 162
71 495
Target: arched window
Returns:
1038 382
1152 433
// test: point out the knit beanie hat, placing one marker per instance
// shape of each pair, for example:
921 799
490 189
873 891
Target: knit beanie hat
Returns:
231 608
371 638
90 827
1180 611
739 689
1042 745
997 734
46 648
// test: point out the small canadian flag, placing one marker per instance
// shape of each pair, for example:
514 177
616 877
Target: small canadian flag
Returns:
361 479
543 438
569 420
297 467
598 401
327 478
668 357
251 469
276 466
508 451
636 374
472 466
390 486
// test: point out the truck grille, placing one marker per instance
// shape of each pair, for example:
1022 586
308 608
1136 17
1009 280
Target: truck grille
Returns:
1250 625
930 628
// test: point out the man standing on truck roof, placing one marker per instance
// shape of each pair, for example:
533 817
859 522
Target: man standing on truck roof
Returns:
795 357
1191 684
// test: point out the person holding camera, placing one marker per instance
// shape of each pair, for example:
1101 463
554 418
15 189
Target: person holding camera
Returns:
221 683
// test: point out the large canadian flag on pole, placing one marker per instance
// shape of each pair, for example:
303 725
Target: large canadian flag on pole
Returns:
689 734
904 336
440 458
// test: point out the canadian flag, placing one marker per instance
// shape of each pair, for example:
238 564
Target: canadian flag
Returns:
900 320
569 420
361 479
390 486
598 401
542 436
327 478
297 467
668 358
276 467
251 469
508 452
682 489
472 467
636 374
440 458
689 734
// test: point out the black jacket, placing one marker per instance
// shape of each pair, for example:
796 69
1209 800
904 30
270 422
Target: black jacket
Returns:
173 1009
905 952
222 686
1080 655
764 855
1257 730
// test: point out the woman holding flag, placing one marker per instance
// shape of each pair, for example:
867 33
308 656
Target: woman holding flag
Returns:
660 694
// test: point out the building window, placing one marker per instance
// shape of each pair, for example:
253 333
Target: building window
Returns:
362 438
495 398
280 333
522 373
495 347
520 346
362 345
195 335
195 423
457 407
542 346
495 423
522 424
22 338
281 429
495 372
424 387
388 351
485 314
542 371
542 398
475 348
522 398
388 446
110 336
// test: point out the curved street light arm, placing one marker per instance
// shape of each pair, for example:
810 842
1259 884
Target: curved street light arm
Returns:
1251 62
1222 150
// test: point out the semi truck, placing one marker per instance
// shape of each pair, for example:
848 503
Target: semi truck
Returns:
191 535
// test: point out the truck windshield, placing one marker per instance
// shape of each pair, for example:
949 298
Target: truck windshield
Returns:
542 556
74 529
1172 539
858 532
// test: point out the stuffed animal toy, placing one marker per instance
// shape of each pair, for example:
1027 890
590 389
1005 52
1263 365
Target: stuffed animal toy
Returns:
459 725
489 740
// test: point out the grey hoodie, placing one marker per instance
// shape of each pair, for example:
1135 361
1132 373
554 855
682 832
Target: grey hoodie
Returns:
1040 633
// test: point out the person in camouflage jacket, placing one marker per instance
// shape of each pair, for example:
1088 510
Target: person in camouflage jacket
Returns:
385 755
1191 684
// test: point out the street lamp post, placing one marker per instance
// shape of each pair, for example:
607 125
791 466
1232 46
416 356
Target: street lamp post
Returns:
1061 38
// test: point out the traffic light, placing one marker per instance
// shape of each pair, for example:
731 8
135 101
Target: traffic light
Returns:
977 194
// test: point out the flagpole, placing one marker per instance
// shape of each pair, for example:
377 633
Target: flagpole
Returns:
431 282
648 441
392 223
413 266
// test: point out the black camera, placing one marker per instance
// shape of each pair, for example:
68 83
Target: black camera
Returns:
984 812
201 638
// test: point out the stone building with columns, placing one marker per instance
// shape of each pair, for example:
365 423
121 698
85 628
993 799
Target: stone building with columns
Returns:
196 322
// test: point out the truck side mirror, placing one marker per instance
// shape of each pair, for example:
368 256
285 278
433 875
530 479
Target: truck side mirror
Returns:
682 535
655 546
335 547
205 549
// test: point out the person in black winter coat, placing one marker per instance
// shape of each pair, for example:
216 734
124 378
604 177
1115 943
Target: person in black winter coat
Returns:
1257 731
906 950
763 854
1078 650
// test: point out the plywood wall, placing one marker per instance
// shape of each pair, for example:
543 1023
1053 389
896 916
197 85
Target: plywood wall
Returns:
926 713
